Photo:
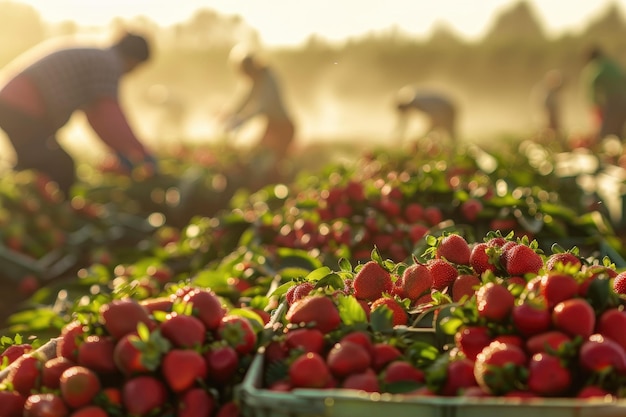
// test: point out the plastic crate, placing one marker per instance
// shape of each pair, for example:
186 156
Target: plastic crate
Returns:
258 402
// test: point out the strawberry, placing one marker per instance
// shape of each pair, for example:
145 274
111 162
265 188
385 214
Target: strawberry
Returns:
153 305
402 371
522 260
442 272
564 259
593 391
417 232
372 281
222 362
195 402
45 405
433 215
78 386
575 317
318 310
399 316
471 340
143 394
11 403
366 381
548 376
599 354
480 260
96 353
90 411
415 281
453 248
121 317
346 358
471 208
464 287
24 374
237 331
359 337
67 343
181 368
550 341
413 212
229 409
383 354
619 283
459 377
206 306
309 371
494 302
309 340
611 324
300 291
13 352
530 318
556 287
183 331
499 368
52 370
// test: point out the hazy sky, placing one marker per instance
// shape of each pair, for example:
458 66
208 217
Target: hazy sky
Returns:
290 22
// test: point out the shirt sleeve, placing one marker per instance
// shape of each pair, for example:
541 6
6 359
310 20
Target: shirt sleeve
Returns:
108 120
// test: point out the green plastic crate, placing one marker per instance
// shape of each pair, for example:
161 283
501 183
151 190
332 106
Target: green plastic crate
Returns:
554 407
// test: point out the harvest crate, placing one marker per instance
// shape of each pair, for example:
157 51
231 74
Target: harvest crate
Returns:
258 402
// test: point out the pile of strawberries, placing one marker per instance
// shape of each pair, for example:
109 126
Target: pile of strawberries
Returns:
515 322
178 355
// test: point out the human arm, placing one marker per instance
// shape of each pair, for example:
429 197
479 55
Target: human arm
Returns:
108 120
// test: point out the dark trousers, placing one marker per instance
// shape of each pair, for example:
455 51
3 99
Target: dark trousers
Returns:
36 147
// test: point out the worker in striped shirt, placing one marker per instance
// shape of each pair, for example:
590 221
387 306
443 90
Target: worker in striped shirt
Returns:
40 99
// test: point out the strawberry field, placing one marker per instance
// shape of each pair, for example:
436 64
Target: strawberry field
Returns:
479 280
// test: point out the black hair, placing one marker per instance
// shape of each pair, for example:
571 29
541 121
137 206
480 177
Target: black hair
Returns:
133 46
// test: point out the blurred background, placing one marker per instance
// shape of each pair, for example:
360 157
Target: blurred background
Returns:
340 63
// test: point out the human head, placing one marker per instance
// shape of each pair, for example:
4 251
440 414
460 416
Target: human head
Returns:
133 49
593 53
404 98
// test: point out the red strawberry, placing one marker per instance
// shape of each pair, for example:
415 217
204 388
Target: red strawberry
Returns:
531 318
372 281
383 354
619 283
25 375
15 351
181 368
479 258
359 337
96 353
238 332
315 309
52 371
164 304
464 287
183 331
301 290
128 357
556 287
548 376
522 260
494 302
45 405
207 306
402 371
11 404
593 391
121 317
454 248
611 324
67 344
143 394
459 377
79 386
471 340
309 371
195 402
363 381
433 215
499 368
415 281
413 212
442 272
575 317
550 342
222 363
564 259
599 354
399 316
471 208
90 411
347 358
309 340
230 409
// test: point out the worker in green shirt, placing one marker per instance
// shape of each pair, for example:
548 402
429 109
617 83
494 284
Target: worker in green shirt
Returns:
606 84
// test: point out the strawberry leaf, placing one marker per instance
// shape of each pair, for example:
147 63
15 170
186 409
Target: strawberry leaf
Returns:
350 310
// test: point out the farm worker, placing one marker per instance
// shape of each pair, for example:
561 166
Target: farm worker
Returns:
548 96
264 99
440 109
42 96
606 84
